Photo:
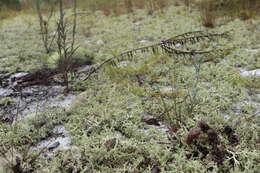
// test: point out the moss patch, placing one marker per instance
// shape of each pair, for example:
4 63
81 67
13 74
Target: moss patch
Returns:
105 120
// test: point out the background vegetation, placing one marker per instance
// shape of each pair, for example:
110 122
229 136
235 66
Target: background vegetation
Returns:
107 122
210 9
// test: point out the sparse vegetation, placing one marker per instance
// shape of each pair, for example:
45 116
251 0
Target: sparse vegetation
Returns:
163 105
211 10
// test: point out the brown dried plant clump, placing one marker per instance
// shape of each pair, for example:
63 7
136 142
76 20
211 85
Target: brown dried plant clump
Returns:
208 19
110 144
208 13
213 138
232 137
193 134
203 128
211 10
207 141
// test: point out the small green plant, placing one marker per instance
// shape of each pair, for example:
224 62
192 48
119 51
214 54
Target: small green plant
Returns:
15 155
6 101
176 103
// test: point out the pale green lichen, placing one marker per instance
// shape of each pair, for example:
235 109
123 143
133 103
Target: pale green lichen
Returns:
111 104
6 101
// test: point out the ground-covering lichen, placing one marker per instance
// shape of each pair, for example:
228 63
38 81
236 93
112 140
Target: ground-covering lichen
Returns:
105 120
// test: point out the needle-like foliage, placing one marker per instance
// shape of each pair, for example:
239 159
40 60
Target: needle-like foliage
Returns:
168 47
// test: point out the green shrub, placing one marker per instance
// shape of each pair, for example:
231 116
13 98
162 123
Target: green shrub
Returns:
81 57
